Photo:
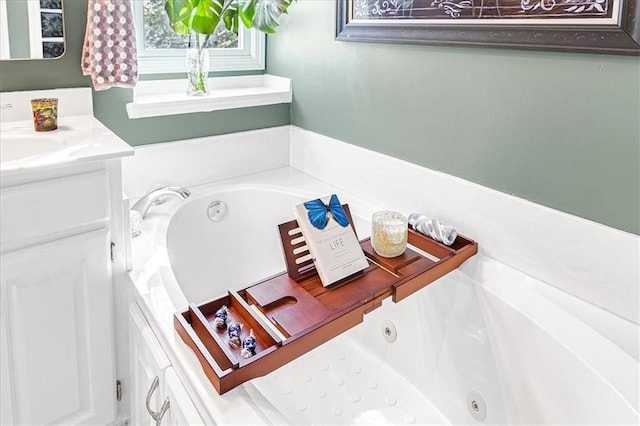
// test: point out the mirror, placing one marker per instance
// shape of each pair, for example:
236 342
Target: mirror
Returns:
31 29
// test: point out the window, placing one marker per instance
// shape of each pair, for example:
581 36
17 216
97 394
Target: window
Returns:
160 50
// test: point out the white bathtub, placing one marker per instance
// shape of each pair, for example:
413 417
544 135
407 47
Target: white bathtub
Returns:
482 335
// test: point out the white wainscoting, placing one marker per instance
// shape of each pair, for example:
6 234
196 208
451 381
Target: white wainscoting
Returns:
592 261
195 161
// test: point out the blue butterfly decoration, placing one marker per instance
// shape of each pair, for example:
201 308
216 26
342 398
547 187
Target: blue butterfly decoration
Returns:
318 212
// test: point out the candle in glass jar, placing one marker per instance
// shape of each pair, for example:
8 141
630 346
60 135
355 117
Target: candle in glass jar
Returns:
45 114
389 233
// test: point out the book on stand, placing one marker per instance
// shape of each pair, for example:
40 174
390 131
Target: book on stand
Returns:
330 238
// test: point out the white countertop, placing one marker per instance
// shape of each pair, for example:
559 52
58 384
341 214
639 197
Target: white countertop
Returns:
78 139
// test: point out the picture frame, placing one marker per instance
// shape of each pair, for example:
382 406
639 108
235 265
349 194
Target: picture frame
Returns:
589 26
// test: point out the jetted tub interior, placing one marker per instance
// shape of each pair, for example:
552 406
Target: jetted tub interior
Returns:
484 344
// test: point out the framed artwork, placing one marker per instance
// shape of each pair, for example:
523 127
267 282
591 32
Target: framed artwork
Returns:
592 26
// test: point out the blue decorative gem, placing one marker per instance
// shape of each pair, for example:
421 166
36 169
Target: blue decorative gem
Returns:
234 335
220 320
249 346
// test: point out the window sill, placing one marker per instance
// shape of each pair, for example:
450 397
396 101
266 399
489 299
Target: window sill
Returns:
167 97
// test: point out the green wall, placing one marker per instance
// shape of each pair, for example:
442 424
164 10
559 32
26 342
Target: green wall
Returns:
109 105
559 129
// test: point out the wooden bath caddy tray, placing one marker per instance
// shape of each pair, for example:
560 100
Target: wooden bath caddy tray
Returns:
303 311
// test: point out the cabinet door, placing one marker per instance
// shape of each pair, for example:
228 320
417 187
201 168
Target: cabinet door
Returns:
57 355
181 410
147 366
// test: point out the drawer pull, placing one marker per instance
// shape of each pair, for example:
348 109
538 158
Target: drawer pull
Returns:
156 415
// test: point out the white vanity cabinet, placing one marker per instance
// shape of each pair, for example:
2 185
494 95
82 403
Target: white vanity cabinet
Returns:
57 352
158 397
181 412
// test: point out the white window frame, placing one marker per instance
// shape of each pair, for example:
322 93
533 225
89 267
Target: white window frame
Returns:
249 55
35 29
